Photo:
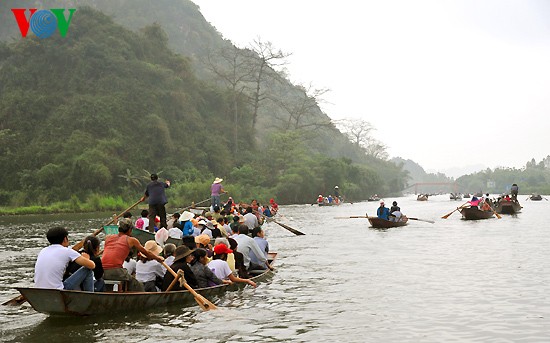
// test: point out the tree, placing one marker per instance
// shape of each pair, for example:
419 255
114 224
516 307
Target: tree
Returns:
267 59
233 66
303 109
358 132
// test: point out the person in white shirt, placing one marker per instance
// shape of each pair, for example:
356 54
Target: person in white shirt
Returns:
250 219
53 260
247 246
175 233
147 270
220 267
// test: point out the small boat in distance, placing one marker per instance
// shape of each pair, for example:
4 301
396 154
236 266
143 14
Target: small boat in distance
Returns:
422 197
535 197
374 197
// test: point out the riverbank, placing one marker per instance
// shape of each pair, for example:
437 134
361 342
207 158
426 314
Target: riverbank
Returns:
74 205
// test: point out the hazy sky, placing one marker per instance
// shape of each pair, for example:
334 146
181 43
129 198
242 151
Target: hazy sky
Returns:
445 83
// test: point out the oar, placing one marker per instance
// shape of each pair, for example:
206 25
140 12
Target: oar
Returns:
79 245
204 303
495 212
194 204
458 208
422 220
294 231
20 299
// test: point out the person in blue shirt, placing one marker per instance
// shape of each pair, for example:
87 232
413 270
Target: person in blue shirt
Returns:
383 212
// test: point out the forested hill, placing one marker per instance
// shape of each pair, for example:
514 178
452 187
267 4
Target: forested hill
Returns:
92 112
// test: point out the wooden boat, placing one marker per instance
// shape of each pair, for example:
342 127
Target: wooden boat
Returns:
466 196
474 213
79 303
422 197
535 197
456 196
508 207
329 203
380 223
374 198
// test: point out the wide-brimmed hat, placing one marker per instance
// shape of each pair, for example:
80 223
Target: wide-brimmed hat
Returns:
210 224
186 215
218 180
182 252
153 247
222 249
202 222
203 239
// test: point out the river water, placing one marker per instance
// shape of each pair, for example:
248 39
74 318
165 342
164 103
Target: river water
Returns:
452 281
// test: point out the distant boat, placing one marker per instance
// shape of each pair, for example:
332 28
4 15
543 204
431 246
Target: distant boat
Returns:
455 196
507 207
466 196
374 198
380 223
422 197
535 197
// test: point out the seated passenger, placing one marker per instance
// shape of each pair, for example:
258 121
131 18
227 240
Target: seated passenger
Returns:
147 269
91 247
382 211
205 277
117 248
220 267
53 260
183 256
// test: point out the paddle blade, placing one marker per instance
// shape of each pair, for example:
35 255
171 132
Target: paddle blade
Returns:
294 231
18 300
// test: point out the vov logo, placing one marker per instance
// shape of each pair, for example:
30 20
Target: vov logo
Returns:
43 23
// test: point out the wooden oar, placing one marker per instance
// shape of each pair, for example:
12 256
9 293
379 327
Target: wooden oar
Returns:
495 212
20 299
204 303
194 204
458 208
422 220
294 231
79 245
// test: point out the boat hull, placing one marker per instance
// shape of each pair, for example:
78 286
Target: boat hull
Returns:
380 223
79 303
508 207
329 204
469 213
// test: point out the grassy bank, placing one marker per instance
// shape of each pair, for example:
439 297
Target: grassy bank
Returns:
93 203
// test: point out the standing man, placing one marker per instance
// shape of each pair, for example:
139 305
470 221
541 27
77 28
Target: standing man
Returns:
514 191
215 191
157 200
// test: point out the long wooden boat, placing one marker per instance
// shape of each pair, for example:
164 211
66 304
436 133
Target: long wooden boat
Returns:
470 213
373 198
79 303
380 223
508 207
422 197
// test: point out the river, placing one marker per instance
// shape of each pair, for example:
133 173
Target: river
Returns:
452 281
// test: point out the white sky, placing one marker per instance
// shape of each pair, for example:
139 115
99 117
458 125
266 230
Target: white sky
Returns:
445 83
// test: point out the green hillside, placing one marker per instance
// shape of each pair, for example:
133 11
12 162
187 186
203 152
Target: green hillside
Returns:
86 116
